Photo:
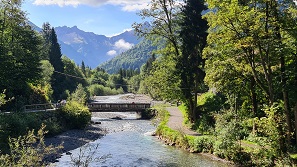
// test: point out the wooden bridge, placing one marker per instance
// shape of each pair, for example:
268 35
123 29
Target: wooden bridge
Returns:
118 107
42 107
93 107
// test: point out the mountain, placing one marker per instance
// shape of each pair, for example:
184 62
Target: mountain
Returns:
91 48
34 27
133 58
124 50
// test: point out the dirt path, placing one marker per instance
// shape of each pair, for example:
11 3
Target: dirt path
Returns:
176 121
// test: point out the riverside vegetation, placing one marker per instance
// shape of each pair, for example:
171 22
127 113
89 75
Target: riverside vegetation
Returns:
232 64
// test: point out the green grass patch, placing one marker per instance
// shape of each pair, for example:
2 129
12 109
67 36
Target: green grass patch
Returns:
184 111
294 156
178 138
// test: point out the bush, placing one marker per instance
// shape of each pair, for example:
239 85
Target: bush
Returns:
76 115
148 113
100 90
79 95
28 150
203 144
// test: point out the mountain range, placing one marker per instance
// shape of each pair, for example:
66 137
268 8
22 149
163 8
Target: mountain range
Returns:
124 50
91 48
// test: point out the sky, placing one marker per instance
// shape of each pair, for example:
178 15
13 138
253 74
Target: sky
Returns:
103 17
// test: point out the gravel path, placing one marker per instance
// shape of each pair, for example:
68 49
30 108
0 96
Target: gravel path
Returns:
176 121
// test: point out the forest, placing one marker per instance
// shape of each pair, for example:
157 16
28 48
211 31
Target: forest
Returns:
232 64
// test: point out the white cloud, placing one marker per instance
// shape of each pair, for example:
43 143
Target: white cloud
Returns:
62 3
130 5
89 21
122 45
135 7
116 34
127 5
111 53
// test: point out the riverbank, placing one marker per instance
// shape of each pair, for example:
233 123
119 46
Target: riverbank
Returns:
73 139
180 136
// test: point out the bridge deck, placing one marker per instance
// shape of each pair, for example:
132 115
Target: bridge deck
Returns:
118 107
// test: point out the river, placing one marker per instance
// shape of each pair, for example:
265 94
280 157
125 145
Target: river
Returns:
129 143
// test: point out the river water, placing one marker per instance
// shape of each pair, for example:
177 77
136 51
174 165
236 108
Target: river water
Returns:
129 143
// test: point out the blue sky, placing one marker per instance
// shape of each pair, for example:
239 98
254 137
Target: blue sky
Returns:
103 17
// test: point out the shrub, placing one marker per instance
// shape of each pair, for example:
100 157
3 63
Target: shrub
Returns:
148 113
100 90
203 144
79 95
76 115
28 150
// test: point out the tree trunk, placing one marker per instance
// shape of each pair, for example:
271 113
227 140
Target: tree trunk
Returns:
295 113
191 112
286 98
254 102
283 78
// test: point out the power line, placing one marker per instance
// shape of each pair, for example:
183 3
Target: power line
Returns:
69 75
97 81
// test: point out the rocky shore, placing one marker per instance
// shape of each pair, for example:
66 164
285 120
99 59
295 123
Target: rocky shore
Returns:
76 138
73 139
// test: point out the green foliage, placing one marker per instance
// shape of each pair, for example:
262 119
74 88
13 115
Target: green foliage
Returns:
228 133
134 83
100 90
162 83
16 124
87 155
208 104
74 76
190 64
76 115
132 59
39 94
19 50
2 98
148 113
53 54
203 144
28 150
99 77
79 95
273 127
47 71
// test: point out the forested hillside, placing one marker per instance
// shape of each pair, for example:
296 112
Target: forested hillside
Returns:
234 70
134 58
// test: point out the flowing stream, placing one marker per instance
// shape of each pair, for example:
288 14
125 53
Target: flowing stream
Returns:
129 144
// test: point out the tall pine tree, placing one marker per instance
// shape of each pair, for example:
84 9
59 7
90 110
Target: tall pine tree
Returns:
190 63
54 56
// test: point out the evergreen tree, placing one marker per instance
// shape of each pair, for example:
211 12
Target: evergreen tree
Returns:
54 56
190 64
83 68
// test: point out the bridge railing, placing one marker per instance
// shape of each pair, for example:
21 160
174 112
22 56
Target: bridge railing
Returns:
42 107
118 106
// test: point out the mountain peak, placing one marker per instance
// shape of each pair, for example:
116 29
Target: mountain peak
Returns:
75 28
91 48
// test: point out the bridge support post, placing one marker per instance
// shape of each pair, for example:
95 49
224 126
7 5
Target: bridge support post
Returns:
138 115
